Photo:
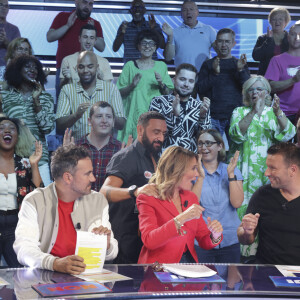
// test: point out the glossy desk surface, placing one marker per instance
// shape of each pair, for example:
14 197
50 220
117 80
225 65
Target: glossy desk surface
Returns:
241 281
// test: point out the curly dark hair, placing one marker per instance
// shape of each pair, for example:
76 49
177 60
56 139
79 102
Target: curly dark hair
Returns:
13 75
147 34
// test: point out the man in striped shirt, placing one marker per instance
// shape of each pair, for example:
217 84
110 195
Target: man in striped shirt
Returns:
76 99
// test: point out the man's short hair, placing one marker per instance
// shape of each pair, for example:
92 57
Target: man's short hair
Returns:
297 23
65 159
149 115
226 30
101 104
87 27
289 151
186 66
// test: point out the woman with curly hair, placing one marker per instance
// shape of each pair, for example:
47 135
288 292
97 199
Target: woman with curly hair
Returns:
25 99
170 223
18 177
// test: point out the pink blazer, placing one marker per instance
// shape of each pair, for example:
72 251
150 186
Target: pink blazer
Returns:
161 240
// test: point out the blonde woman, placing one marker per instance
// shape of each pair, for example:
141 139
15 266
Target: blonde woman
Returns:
253 129
170 223
275 41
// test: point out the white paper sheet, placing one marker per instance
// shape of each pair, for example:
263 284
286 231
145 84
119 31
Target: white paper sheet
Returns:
189 270
288 271
92 248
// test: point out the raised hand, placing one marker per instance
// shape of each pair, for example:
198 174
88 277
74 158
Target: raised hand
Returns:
68 138
215 228
129 142
167 29
66 71
151 20
71 20
276 104
242 61
216 65
204 107
136 79
176 105
249 223
82 108
232 164
37 154
124 26
193 212
269 32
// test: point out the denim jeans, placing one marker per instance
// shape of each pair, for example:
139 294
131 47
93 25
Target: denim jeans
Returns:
222 126
230 254
7 237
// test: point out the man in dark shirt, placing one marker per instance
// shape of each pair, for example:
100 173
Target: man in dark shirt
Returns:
273 210
221 79
128 30
127 174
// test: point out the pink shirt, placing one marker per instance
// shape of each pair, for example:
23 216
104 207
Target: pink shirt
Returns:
282 67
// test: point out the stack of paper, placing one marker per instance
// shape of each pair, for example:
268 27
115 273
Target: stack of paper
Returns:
189 270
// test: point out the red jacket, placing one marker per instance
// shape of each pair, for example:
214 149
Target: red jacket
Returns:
161 240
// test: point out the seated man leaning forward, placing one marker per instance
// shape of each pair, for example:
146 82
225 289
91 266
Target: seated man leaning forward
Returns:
273 210
49 217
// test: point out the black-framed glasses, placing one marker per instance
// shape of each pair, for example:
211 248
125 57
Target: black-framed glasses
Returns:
150 44
207 144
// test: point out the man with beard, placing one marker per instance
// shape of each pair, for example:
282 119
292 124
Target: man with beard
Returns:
127 174
50 217
221 80
76 98
284 75
273 210
66 27
185 116
128 31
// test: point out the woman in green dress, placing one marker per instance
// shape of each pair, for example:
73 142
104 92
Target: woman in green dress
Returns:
253 129
140 81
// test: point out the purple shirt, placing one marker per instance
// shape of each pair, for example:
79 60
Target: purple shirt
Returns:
282 67
12 32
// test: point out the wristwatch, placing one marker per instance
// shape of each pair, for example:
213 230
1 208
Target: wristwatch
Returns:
131 191
232 179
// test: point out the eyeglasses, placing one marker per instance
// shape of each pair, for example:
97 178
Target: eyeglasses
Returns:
21 49
207 144
148 44
4 5
259 90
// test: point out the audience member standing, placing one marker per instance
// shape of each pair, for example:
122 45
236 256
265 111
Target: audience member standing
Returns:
253 128
8 32
191 42
128 31
185 116
221 79
284 74
275 41
128 173
220 191
87 39
26 99
140 81
65 28
17 47
76 99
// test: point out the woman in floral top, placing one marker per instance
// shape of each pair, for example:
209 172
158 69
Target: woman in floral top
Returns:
253 129
18 177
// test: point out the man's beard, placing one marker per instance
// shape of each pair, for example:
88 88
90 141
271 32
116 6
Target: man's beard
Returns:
150 146
82 15
181 94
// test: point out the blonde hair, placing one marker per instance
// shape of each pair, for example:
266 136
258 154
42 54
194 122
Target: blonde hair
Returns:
280 10
170 170
247 84
12 46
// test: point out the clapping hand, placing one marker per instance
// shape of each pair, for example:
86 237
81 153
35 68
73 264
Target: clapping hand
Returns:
68 138
232 164
176 105
216 65
136 79
71 20
276 104
269 32
151 20
242 62
167 29
249 223
82 108
215 228
124 26
204 107
37 154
